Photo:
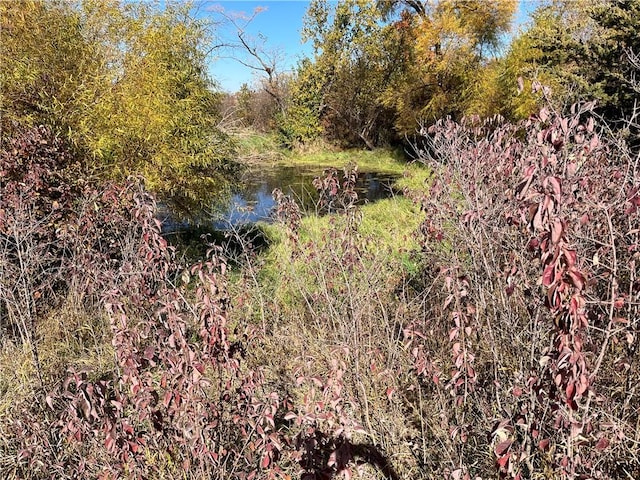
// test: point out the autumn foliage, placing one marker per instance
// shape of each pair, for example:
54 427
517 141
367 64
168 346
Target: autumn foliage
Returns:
532 235
499 341
520 362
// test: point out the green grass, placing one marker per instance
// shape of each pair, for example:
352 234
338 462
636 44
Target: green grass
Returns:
416 178
386 232
261 149
257 148
381 160
386 228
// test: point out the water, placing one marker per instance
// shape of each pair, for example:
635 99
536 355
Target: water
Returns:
253 202
234 226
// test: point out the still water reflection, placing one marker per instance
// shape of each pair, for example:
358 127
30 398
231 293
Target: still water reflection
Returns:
253 202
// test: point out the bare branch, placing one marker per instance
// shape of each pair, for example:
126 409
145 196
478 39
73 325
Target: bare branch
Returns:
251 52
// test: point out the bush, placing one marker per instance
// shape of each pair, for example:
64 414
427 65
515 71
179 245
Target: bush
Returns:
177 395
513 351
126 83
528 344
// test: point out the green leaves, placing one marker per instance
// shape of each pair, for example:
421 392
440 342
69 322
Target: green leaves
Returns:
124 82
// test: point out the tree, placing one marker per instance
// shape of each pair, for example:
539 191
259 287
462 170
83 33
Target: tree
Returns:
253 53
126 83
354 62
388 65
448 44
49 69
581 50
300 122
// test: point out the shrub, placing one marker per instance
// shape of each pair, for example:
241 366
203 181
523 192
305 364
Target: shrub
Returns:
178 396
531 234
126 83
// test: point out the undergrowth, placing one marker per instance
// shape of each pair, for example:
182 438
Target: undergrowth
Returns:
485 328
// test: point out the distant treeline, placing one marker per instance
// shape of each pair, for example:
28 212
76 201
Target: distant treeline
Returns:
383 69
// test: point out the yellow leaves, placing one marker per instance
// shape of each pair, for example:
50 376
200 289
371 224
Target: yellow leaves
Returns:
123 81
487 19
458 28
451 42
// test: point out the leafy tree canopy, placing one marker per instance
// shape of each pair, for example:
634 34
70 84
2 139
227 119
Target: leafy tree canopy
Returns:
385 66
581 50
125 82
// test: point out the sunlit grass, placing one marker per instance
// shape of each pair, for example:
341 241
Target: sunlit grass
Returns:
260 150
257 148
381 160
385 231
416 178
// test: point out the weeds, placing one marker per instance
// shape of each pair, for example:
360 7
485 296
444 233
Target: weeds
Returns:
498 339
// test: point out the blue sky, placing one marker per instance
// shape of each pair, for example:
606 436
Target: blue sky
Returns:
280 24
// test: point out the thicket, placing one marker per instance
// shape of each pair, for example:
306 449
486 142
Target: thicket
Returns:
125 83
511 351
169 392
532 233
499 340
380 67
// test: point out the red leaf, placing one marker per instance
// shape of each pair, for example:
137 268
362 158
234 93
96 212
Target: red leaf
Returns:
570 256
556 231
390 392
602 444
502 447
584 219
543 114
502 461
555 185
457 474
577 278
544 444
167 398
548 276
570 391
265 461
537 220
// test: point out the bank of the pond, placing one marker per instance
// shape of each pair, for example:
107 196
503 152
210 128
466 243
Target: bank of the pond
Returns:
385 161
386 220
382 173
263 150
389 223
410 175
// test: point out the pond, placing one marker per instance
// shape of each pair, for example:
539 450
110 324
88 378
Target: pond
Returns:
252 202
235 226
